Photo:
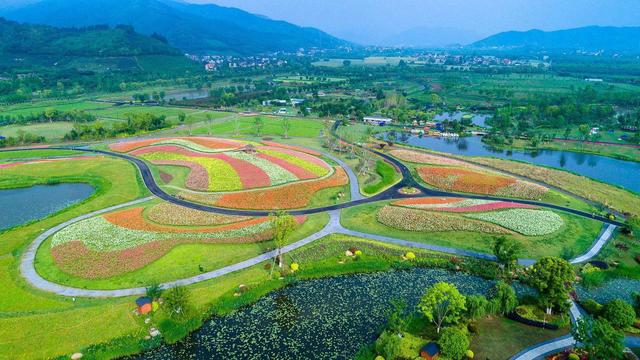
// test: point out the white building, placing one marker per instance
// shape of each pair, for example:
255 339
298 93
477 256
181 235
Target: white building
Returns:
376 120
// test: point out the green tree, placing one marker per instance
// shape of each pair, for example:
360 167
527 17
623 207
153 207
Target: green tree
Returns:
177 302
282 225
286 126
619 314
209 123
182 117
505 297
454 343
476 306
258 125
584 131
50 113
599 339
554 279
442 303
506 251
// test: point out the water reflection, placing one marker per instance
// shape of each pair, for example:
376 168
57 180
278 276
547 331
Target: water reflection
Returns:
606 169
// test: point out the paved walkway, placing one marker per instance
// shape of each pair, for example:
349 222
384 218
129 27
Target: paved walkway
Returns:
595 249
353 178
539 351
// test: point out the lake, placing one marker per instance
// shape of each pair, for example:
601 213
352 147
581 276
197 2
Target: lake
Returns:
330 318
187 95
603 168
476 119
19 206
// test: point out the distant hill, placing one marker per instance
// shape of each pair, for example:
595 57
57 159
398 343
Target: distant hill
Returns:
190 27
97 41
426 37
592 38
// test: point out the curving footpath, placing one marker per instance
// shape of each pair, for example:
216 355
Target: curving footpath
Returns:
28 271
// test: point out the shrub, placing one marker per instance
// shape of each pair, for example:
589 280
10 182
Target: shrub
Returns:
476 306
410 256
470 354
177 302
619 313
398 345
454 343
295 267
505 297
591 306
573 356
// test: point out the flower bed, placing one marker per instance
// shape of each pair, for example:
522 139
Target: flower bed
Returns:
310 163
424 158
196 143
44 161
234 170
291 147
289 196
524 221
419 220
477 182
124 240
461 205
175 215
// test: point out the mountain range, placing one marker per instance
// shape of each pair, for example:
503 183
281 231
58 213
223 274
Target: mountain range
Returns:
98 41
591 38
192 28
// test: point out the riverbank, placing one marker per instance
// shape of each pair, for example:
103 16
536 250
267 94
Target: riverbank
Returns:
616 151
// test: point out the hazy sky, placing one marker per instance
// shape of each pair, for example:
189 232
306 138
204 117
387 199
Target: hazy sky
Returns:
361 19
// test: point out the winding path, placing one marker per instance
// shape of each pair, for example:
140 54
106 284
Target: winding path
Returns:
28 271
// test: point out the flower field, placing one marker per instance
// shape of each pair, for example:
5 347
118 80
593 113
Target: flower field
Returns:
34 162
424 158
478 182
458 205
289 196
123 241
170 214
222 166
419 220
197 143
496 217
524 221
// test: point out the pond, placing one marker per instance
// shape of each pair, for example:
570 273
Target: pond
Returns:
476 119
614 289
187 95
19 206
603 168
329 318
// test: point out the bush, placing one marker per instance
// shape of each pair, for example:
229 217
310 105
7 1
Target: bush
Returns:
470 354
592 307
619 313
393 345
476 306
410 256
573 356
454 343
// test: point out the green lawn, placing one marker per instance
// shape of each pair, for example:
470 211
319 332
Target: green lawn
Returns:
273 126
575 237
43 153
55 130
500 338
36 108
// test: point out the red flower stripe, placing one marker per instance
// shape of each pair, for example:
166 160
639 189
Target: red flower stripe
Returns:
292 147
198 178
298 154
485 207
250 175
43 161
217 144
427 201
290 196
300 173
132 145
134 220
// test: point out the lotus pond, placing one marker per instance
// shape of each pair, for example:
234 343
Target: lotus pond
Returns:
329 318
614 289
